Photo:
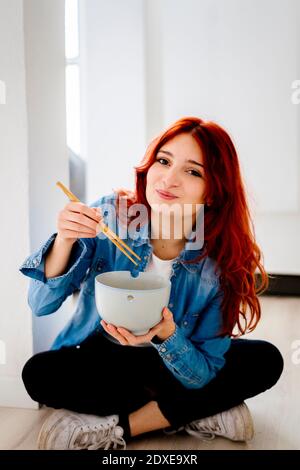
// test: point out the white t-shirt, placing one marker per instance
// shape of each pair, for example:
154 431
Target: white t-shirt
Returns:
160 266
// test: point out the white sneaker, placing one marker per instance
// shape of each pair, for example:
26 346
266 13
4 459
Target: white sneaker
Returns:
235 424
65 429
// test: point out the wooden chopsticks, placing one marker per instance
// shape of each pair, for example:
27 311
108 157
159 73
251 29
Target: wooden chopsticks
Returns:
104 228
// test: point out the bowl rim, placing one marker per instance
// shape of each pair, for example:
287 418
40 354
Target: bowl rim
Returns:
168 284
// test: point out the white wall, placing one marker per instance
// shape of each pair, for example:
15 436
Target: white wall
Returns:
236 65
44 31
113 92
15 318
33 157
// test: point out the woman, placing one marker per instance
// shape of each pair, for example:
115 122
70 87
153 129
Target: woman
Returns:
190 372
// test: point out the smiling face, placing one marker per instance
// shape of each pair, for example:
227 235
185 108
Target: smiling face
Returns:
178 170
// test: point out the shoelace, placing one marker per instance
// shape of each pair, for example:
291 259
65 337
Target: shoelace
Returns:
93 438
205 431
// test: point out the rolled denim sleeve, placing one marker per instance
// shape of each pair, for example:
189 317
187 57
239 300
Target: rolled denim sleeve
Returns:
45 296
195 361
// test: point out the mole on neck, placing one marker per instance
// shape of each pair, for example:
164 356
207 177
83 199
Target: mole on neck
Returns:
164 249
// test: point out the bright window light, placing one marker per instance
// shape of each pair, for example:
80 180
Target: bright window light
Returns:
71 28
73 108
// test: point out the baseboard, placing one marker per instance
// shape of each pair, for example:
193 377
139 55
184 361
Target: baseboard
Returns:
283 284
13 394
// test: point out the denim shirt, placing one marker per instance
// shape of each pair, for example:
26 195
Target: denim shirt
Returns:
195 351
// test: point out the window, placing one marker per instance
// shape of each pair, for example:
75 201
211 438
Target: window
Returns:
76 163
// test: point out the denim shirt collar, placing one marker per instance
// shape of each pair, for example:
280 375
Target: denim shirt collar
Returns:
142 237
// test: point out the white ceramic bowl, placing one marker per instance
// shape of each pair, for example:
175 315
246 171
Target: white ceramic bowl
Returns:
134 303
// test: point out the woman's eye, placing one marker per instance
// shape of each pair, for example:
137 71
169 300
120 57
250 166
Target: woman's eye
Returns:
195 173
162 159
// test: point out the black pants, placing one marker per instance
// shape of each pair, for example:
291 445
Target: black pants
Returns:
103 378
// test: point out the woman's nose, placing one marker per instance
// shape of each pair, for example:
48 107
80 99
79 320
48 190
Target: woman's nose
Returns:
171 178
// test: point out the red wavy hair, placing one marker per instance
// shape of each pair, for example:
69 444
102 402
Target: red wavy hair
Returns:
229 236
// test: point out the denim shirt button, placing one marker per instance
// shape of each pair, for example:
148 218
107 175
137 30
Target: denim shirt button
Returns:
170 305
163 349
185 323
35 262
99 265
168 356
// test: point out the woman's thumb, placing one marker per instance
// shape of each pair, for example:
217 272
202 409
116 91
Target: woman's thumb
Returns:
98 211
167 314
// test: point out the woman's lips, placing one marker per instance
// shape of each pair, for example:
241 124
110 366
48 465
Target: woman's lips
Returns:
165 196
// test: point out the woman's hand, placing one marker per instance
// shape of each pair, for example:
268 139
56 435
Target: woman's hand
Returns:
77 220
163 330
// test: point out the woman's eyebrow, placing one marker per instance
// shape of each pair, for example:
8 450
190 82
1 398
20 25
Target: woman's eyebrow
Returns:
189 161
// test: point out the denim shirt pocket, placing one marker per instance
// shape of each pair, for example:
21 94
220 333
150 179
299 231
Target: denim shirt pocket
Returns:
88 284
188 322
